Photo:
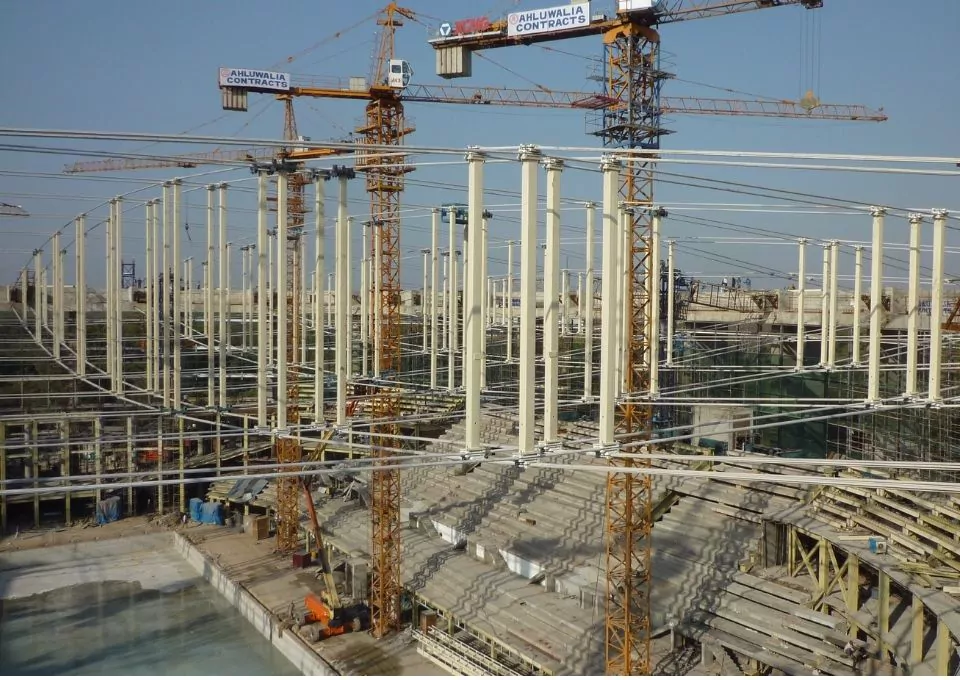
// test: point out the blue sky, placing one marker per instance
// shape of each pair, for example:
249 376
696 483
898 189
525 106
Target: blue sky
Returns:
151 67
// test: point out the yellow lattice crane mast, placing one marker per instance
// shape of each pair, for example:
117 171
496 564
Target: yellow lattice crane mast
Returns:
632 79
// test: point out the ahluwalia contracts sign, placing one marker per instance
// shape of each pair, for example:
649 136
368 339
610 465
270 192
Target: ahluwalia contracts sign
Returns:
551 19
251 79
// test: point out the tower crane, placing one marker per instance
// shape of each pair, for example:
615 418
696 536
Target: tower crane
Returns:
633 79
632 44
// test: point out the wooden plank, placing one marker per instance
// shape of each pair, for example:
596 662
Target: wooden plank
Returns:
894 505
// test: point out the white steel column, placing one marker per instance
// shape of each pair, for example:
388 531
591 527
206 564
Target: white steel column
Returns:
625 222
671 302
832 335
612 242
271 301
343 298
188 289
551 303
444 304
319 211
588 307
282 320
509 301
529 158
913 300
118 295
857 304
936 303
223 299
37 295
57 309
434 294
423 299
653 322
580 303
208 325
485 294
474 323
876 306
81 278
177 352
330 300
244 277
166 291
824 309
377 303
109 314
23 296
350 232
452 302
564 297
365 296
262 276
801 301
151 306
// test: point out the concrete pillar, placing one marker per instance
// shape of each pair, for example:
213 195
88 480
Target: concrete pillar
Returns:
671 299
916 630
612 242
319 211
110 318
262 301
580 303
343 299
486 305
801 301
151 306
551 303
282 289
824 306
588 307
81 294
160 450
832 304
23 306
564 300
330 299
434 294
653 323
452 312
130 466
529 158
474 325
166 291
271 301
623 325
177 297
883 613
857 304
509 302
365 297
444 305
876 306
208 324
913 303
118 295
97 456
350 232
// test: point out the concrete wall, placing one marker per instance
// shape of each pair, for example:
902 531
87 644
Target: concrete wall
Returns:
292 647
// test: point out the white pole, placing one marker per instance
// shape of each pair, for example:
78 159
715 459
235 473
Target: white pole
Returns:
262 301
271 302
81 297
331 297
319 211
832 335
876 306
551 303
38 296
857 304
564 296
377 302
445 306
154 294
474 323
508 304
485 295
653 323
936 303
913 300
452 302
350 232
166 291
57 309
824 309
343 293
423 299
434 294
117 296
282 287
188 290
624 325
671 303
365 296
801 301
588 308
109 313
177 353
580 303
208 324
529 158
244 279
612 241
